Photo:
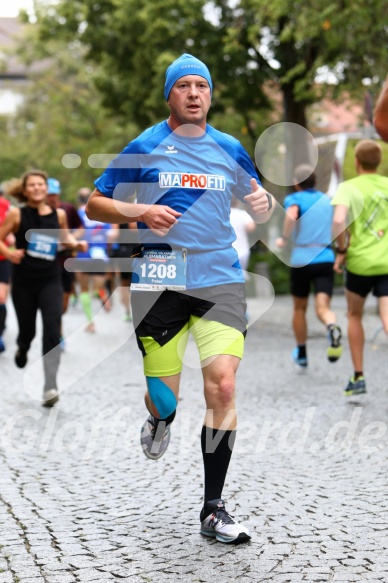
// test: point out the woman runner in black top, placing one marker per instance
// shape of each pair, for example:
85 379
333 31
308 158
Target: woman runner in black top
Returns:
36 278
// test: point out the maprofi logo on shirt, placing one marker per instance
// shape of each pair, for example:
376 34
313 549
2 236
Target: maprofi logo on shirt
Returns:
183 180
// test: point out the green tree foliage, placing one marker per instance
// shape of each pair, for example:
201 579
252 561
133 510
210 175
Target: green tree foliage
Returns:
293 41
61 114
134 41
244 43
309 49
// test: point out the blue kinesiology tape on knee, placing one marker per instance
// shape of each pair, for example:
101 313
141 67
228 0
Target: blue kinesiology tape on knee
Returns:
161 396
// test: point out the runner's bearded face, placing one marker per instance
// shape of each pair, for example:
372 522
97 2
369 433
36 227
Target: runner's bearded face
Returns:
189 101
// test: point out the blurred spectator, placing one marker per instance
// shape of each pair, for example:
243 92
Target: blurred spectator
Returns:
93 264
5 271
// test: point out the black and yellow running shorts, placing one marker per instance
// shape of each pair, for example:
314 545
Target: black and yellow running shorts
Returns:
215 316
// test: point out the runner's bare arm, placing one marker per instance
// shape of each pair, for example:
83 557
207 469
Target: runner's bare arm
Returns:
68 238
340 225
340 235
159 218
10 225
289 223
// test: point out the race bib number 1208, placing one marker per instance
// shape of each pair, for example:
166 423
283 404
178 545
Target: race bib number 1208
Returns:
159 270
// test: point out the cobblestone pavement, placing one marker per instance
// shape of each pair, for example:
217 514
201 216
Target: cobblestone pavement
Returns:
79 501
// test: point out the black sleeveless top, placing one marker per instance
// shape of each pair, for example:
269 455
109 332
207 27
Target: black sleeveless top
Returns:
40 259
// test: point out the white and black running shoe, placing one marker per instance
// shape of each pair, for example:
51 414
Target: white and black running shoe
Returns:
154 438
217 523
334 350
50 397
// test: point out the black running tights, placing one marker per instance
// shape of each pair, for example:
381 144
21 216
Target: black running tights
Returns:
46 296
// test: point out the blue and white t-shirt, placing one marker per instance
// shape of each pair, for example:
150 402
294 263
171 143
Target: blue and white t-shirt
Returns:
311 237
194 176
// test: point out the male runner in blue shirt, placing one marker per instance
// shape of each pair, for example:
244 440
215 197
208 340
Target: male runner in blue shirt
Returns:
184 173
308 224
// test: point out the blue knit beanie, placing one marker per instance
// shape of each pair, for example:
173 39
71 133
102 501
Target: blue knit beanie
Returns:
185 65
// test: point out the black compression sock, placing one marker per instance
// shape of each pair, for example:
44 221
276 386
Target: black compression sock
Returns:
217 446
3 316
167 420
302 352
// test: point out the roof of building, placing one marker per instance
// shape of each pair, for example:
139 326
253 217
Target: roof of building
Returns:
11 67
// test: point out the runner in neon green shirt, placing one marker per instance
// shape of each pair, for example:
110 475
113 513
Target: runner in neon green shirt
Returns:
361 225
366 197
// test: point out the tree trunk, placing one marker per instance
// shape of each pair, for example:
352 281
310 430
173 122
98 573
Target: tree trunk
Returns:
298 141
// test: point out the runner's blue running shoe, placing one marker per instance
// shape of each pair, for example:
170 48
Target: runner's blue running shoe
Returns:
300 362
2 345
355 387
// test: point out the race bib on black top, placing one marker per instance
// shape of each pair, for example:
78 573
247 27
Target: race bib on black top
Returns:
42 246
